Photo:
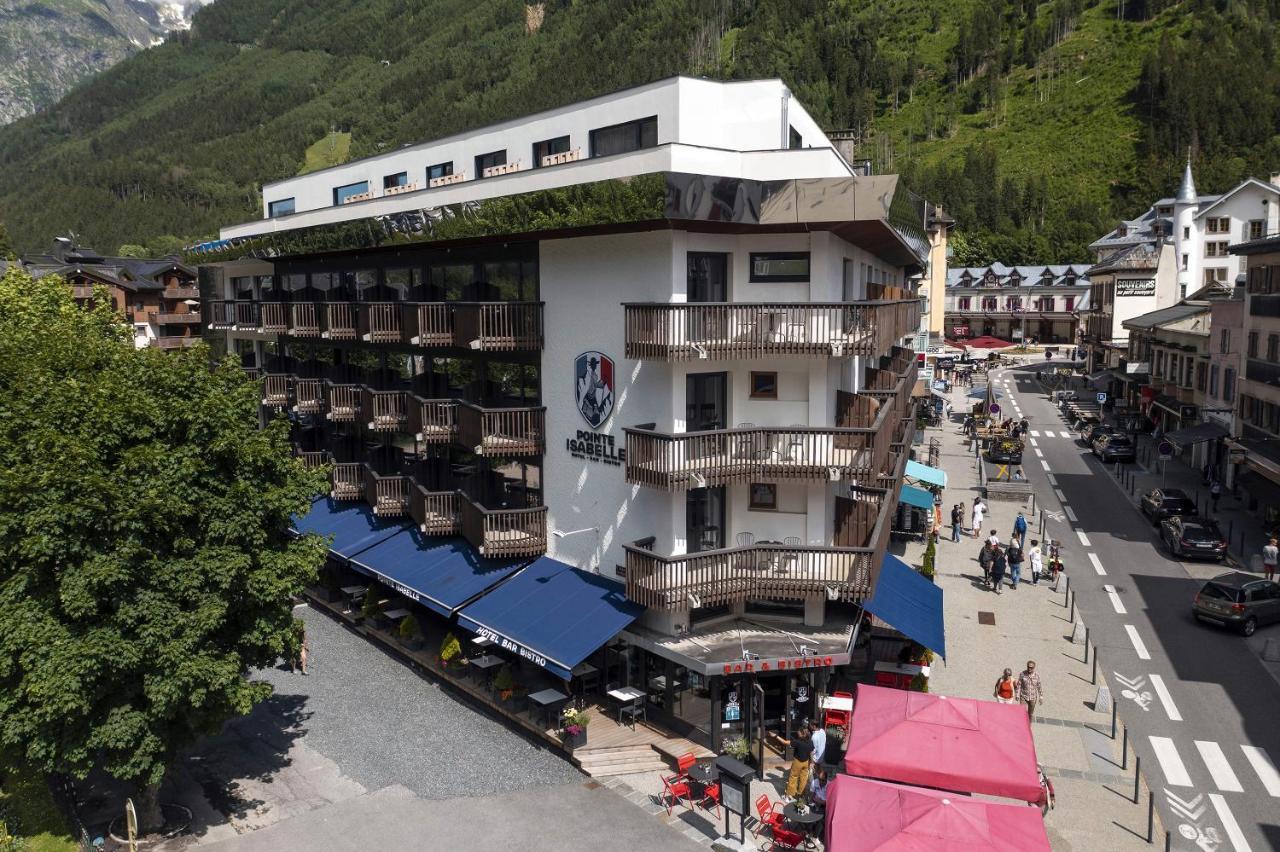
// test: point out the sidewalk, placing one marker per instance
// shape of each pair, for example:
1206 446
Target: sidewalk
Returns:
987 633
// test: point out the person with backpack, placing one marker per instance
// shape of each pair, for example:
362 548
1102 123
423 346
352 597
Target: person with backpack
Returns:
985 557
1020 530
998 566
1014 557
957 521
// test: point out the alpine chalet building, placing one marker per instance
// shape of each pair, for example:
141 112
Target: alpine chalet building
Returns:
622 386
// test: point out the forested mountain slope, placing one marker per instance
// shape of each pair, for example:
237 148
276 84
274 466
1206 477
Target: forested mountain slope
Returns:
1036 123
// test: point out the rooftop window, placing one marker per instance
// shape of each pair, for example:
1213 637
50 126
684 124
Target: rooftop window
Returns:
283 207
398 179
629 136
488 161
342 194
547 147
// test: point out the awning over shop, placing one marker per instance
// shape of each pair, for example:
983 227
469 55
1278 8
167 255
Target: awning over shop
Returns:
552 614
917 497
909 603
1192 435
352 524
924 473
443 574
942 395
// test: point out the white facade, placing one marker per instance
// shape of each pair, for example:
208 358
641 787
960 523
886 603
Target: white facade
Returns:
734 129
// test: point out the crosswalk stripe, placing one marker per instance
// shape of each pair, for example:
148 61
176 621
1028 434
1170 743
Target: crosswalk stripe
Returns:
1170 763
1116 603
1066 434
1071 516
1138 644
1035 434
1097 564
1229 824
1039 453
1262 765
1216 761
1162 691
1084 539
1044 464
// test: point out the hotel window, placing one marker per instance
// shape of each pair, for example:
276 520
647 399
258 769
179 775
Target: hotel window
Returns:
1256 231
1224 341
1220 225
1228 384
342 193
764 385
1273 348
1186 233
547 147
621 138
439 170
1215 275
397 179
1213 381
779 266
1215 249
1202 374
794 139
1165 211
1185 258
1013 303
1251 350
964 303
764 496
1070 303
283 207
989 303
488 161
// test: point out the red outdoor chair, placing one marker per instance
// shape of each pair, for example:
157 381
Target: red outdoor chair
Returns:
673 791
684 763
711 793
769 815
785 838
840 717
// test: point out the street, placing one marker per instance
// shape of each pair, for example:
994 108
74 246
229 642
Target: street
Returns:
1199 703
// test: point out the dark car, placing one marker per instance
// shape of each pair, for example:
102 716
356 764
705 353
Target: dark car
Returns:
1092 430
1114 448
1238 600
1160 503
1193 538
1005 451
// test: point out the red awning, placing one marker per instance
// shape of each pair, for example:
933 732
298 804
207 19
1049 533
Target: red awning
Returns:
988 342
867 815
948 743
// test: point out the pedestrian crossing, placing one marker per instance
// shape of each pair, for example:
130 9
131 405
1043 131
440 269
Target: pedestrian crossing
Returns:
1052 433
1229 770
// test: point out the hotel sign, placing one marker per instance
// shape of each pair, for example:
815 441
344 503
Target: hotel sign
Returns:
1136 287
780 664
593 394
515 648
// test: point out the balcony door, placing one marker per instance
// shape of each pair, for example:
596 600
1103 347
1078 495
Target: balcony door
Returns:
708 281
704 519
706 401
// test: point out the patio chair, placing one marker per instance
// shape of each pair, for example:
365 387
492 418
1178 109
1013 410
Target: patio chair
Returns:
747 559
768 815
785 838
673 792
710 793
790 559
684 763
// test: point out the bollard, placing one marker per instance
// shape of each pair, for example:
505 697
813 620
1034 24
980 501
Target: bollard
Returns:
1086 643
1124 750
1168 842
1093 679
1231 529
1151 815
1072 617
1114 705
1137 775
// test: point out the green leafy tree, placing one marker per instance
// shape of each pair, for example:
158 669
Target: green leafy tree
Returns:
6 247
145 561
131 250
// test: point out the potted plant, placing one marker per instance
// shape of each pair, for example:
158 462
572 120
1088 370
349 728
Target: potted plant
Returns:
408 633
738 748
450 650
930 556
573 727
504 683
370 606
920 683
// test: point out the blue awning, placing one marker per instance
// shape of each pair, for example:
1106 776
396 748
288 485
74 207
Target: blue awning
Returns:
909 603
552 614
443 574
917 497
352 524
924 473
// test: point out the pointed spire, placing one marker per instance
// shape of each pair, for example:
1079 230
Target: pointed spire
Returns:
1187 192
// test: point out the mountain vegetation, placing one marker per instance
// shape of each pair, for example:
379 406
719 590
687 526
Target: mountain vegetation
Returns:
1034 123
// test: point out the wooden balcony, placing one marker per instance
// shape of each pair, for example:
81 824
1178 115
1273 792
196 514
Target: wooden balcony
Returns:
495 532
381 322
435 512
246 315
388 495
728 330
501 431
176 342
342 402
313 460
304 319
181 293
432 324
221 315
275 390
433 421
339 321
273 317
347 481
187 318
498 326
845 569
308 396
387 411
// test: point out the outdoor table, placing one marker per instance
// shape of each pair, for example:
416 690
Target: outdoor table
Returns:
352 591
587 677
832 702
486 663
805 822
395 614
625 695
703 773
546 699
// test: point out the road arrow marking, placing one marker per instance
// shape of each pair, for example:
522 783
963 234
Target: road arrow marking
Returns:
1191 809
1053 516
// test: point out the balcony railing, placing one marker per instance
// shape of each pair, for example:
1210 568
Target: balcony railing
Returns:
275 390
273 317
176 342
1263 372
387 411
498 326
174 318
501 431
348 481
433 421
312 460
432 324
246 315
496 532
388 495
181 293
723 330
340 321
381 322
304 319
343 402
308 396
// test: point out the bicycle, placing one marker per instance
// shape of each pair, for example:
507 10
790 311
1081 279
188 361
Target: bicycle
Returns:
1047 798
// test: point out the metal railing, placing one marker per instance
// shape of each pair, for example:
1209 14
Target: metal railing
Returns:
720 330
387 411
381 322
433 421
275 389
313 460
308 396
339 321
501 431
273 317
432 324
304 319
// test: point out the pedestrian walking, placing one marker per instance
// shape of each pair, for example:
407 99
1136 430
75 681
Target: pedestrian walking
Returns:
998 566
1020 529
1005 688
976 522
957 521
1036 558
1270 555
300 660
818 739
986 556
1013 554
1026 424
1029 690
801 752
1215 492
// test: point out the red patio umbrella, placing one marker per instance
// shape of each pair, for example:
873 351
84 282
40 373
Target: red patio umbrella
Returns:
988 342
863 816
947 743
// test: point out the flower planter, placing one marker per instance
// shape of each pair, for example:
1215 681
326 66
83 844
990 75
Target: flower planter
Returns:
572 741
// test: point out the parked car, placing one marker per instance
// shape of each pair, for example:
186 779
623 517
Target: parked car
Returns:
1114 448
1238 600
1160 503
1005 451
1092 429
1193 538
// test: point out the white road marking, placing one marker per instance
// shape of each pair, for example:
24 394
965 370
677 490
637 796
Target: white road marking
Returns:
1044 464
1052 479
1035 434
1170 763
1157 683
1070 514
1067 435
1223 776
1062 498
1039 453
1262 765
1116 603
1084 539
1229 824
1137 642
1033 443
1097 564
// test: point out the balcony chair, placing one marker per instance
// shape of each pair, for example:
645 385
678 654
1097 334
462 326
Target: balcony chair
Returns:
673 792
745 560
791 558
768 815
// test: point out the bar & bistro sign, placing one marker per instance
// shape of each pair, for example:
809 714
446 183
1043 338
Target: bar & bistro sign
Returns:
779 664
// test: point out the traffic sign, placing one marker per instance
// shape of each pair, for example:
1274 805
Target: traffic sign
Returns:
1102 398
995 408
1166 450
